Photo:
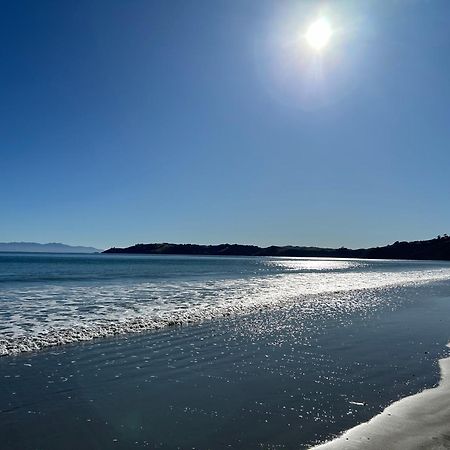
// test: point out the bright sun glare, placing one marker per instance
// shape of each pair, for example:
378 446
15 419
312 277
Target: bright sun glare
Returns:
319 34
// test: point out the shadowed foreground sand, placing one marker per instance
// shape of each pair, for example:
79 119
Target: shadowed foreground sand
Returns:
421 421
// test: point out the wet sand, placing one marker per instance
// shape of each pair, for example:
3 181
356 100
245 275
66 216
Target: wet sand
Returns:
421 421
273 379
261 353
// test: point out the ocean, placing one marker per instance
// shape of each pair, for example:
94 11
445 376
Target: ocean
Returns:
120 351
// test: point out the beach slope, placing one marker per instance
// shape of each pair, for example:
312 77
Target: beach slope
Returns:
421 421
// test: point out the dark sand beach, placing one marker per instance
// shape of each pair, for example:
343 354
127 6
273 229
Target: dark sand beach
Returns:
292 375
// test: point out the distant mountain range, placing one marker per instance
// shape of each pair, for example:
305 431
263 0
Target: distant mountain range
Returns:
52 247
435 249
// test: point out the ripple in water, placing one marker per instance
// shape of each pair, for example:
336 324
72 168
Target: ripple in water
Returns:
150 293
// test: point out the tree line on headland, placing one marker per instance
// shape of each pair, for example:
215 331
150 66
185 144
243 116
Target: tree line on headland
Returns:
433 249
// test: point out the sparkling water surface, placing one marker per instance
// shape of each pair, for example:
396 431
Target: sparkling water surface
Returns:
262 352
53 299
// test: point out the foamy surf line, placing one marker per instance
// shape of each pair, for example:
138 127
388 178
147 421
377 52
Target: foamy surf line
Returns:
148 306
420 421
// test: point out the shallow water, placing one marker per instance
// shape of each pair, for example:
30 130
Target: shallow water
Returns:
53 299
337 342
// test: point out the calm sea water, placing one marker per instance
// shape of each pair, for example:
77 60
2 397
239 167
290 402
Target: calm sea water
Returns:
259 352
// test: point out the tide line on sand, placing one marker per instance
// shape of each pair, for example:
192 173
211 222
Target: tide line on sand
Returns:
420 421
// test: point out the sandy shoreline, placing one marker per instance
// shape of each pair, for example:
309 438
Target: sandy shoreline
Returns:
420 421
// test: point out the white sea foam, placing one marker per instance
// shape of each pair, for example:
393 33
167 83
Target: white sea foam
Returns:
37 316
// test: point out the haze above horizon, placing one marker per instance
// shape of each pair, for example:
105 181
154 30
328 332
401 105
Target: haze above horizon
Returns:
256 122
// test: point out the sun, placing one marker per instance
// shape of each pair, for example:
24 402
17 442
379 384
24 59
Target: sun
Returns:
318 34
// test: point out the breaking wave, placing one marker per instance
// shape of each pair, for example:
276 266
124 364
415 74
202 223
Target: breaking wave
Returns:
38 316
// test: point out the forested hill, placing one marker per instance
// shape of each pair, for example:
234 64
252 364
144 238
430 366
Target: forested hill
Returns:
437 249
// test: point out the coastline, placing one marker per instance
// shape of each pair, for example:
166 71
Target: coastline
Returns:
419 421
278 377
437 249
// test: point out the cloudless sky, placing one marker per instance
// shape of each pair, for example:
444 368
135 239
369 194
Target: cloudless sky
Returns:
213 121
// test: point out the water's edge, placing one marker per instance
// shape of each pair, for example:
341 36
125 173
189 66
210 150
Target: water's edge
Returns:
419 421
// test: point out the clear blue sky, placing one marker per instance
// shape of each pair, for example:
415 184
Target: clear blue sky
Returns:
212 121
